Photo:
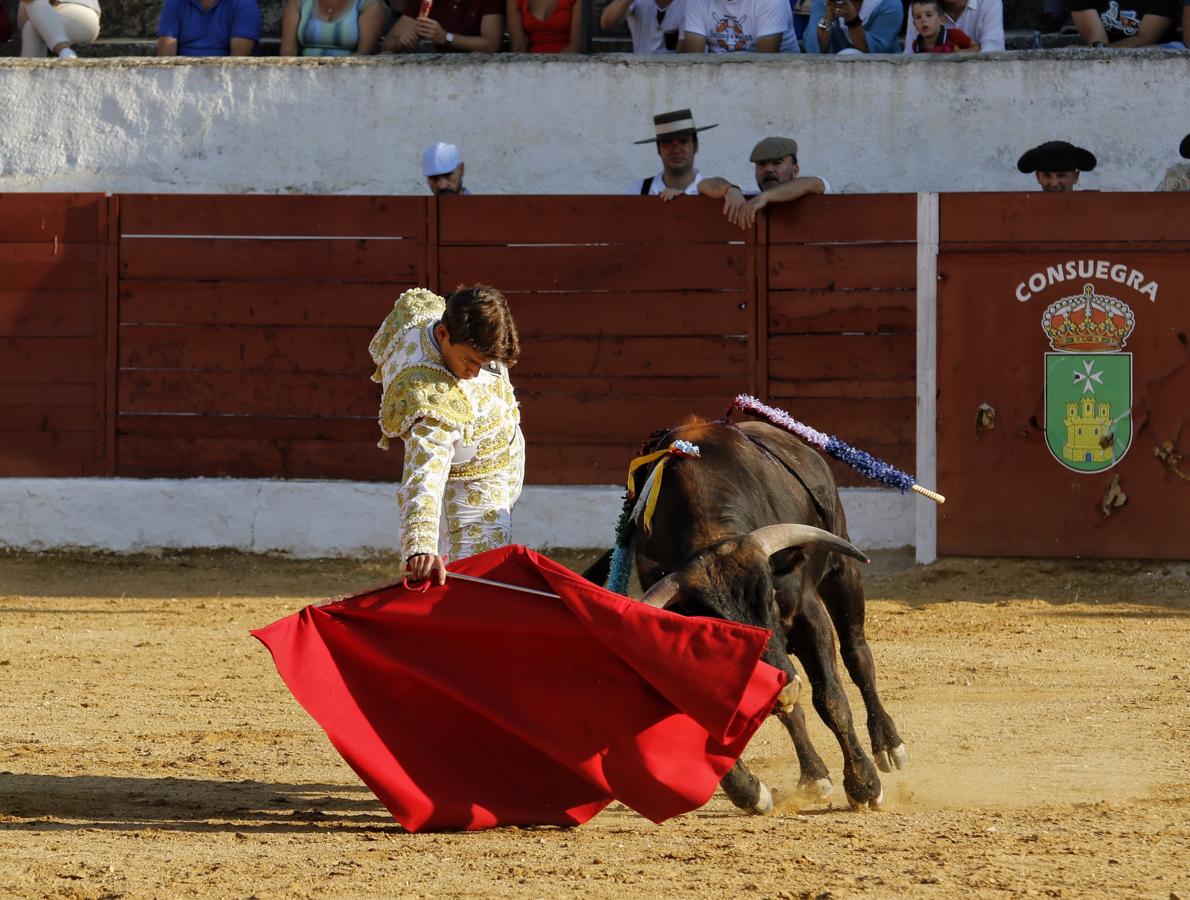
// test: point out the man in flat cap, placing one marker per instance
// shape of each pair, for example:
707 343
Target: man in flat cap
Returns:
777 180
1057 165
676 137
443 169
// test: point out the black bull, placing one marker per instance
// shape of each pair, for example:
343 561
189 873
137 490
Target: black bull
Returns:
712 551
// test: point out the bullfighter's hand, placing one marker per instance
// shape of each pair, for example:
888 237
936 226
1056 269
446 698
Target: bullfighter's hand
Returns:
669 193
432 31
424 565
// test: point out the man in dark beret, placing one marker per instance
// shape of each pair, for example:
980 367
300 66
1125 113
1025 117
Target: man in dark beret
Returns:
1057 165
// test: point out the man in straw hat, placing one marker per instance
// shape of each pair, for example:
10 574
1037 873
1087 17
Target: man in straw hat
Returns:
777 178
676 137
1057 165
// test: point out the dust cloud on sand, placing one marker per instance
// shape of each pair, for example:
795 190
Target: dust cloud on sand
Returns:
149 749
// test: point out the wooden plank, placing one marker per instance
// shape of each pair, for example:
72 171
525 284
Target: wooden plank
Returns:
612 419
248 303
633 267
110 335
1087 217
832 312
31 313
840 388
40 395
577 219
247 393
844 218
270 428
30 417
758 286
42 217
264 259
832 357
47 454
271 214
246 348
642 314
25 360
842 267
147 457
691 386
616 356
578 463
44 267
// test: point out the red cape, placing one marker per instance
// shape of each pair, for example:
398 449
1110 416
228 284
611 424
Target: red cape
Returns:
471 706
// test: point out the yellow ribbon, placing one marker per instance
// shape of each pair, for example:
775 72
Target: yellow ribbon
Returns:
653 485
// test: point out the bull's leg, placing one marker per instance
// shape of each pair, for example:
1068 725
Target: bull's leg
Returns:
598 571
815 780
843 593
747 791
813 641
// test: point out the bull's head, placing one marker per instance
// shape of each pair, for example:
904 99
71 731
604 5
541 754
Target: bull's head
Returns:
735 577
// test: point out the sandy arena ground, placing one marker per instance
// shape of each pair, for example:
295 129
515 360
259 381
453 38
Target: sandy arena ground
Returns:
150 750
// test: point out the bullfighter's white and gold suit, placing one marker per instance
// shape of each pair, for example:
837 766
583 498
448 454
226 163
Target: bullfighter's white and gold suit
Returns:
464 452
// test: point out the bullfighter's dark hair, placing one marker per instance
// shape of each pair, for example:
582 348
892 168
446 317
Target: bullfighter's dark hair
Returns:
478 316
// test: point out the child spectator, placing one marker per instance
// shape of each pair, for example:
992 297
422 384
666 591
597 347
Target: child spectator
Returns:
980 20
932 34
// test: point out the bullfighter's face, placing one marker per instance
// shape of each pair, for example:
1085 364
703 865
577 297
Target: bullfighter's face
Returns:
1057 182
463 360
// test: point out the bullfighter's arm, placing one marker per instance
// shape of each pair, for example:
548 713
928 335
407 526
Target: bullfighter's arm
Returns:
429 446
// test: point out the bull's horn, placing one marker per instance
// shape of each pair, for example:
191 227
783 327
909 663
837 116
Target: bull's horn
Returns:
664 593
781 537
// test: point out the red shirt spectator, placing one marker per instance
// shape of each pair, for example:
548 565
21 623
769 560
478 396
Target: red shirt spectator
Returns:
543 26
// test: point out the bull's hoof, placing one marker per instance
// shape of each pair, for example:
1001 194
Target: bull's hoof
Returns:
813 789
898 757
874 804
764 802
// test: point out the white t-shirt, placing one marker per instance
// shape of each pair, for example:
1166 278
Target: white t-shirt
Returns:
658 185
734 25
647 35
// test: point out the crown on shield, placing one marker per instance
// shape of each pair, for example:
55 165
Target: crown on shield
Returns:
1088 322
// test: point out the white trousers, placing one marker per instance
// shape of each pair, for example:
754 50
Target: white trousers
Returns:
48 26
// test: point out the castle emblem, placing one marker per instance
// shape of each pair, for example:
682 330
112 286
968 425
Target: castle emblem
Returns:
1088 380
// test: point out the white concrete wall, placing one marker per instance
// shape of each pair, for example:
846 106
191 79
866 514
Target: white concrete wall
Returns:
327 518
557 125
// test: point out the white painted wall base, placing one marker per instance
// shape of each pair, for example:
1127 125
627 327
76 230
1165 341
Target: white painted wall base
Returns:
311 519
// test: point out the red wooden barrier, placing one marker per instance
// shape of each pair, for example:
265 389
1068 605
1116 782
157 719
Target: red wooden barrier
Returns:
243 332
53 334
841 316
1042 480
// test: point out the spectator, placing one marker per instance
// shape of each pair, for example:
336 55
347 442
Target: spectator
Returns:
331 27
208 28
980 20
777 179
1177 177
1057 165
933 36
656 26
473 26
544 26
5 23
443 170
676 138
849 26
1144 23
57 25
734 26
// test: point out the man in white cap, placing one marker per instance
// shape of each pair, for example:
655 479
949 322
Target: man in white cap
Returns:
676 137
443 170
777 178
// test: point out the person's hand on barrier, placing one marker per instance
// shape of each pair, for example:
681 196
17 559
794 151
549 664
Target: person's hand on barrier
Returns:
403 35
424 565
669 193
733 202
432 30
746 215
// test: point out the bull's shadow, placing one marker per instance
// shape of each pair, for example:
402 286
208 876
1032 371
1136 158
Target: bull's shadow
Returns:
31 802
